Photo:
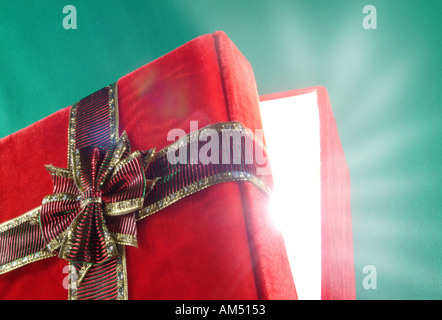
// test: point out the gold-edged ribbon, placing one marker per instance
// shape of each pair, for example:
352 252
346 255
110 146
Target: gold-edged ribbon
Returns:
166 182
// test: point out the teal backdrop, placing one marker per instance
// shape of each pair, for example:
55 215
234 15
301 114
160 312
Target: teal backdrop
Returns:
384 85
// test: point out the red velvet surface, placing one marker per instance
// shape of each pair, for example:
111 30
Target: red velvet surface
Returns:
216 244
24 182
337 263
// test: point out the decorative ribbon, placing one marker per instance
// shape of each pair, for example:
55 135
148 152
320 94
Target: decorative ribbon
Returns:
94 204
99 199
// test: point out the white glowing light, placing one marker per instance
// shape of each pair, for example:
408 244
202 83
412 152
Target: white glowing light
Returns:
291 127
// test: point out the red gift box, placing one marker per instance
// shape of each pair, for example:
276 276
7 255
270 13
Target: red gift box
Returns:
219 243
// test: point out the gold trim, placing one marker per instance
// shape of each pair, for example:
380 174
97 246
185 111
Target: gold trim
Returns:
125 161
111 246
200 185
76 169
149 157
60 197
82 273
123 207
73 278
56 242
218 127
39 255
113 112
125 239
71 133
85 202
59 172
122 274
32 216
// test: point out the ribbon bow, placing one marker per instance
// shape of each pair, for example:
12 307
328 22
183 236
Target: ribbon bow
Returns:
94 202
106 189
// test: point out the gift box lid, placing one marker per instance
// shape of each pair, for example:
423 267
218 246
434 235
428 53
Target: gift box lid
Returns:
311 201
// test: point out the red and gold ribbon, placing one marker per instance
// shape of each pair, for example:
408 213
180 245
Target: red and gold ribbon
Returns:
106 189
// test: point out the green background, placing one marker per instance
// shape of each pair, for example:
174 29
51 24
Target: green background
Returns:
384 86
